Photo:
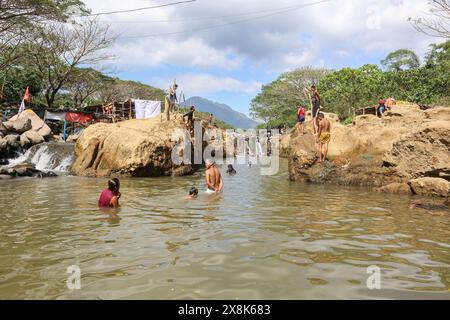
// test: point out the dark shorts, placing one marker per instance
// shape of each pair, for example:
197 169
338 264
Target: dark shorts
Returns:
316 107
301 119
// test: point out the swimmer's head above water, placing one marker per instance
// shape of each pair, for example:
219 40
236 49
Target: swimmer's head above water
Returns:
114 185
193 192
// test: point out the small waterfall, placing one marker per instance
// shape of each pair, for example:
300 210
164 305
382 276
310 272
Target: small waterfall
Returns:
259 150
46 157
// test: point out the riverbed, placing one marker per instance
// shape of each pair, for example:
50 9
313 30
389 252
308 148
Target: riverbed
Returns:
263 238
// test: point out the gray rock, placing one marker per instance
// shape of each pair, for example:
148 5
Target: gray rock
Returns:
3 129
3 144
20 125
31 138
13 140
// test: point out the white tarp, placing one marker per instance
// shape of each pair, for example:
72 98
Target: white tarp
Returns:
146 109
55 116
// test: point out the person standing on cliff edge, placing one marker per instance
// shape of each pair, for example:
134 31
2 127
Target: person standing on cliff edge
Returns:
315 107
324 137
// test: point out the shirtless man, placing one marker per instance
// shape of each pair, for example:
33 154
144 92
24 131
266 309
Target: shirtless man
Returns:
323 136
315 107
213 178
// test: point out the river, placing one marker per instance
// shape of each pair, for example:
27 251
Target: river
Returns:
263 238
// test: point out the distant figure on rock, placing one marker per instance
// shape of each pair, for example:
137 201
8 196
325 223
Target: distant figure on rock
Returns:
301 118
172 99
193 193
213 178
190 116
211 119
390 102
381 107
315 107
109 198
324 137
231 170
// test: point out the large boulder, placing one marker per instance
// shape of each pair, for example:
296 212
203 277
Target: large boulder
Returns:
137 148
423 153
430 187
31 138
384 153
37 124
18 125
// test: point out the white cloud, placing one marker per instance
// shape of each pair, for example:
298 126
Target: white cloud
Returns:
198 84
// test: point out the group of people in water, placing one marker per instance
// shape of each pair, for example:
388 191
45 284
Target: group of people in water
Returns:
109 198
321 125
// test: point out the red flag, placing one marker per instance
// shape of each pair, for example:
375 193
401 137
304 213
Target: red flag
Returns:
27 97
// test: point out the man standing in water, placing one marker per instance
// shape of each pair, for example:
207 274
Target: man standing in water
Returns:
213 178
324 137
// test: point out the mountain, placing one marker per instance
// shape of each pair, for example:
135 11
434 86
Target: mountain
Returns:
222 112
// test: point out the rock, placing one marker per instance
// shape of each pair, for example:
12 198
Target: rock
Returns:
72 138
425 152
430 187
12 140
37 124
136 148
3 130
3 144
18 125
31 138
395 188
384 153
5 177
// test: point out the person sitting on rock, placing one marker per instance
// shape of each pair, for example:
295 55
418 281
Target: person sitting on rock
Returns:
109 198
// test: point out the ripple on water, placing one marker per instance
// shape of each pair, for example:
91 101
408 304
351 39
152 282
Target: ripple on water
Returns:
264 238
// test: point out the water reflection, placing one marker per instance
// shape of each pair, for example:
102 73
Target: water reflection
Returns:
263 238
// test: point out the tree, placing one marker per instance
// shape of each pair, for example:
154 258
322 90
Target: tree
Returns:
276 104
346 90
402 59
58 50
18 17
439 24
121 90
85 84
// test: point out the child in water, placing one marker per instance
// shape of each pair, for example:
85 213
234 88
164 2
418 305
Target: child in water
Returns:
109 198
193 193
231 170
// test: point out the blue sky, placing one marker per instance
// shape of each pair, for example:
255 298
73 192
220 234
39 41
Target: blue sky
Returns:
224 50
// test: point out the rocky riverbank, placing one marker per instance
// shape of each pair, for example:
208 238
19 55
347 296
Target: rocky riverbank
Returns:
133 148
20 133
407 151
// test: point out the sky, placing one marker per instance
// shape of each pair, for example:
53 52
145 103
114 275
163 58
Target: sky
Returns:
225 50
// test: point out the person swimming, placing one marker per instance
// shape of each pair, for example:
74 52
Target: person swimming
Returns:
109 198
231 170
193 193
